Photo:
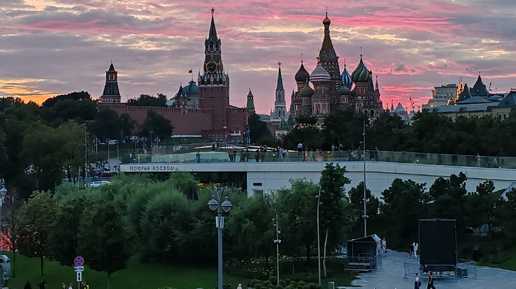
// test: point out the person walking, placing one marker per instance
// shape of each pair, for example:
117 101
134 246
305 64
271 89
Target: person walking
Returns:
41 284
198 156
430 281
299 150
416 245
27 285
417 283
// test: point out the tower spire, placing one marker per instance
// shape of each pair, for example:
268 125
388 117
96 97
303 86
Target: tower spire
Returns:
279 85
213 31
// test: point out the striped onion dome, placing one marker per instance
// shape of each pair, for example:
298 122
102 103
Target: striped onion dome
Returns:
320 74
346 78
361 73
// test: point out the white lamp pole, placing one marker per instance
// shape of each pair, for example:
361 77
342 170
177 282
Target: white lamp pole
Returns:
3 192
277 241
318 236
219 206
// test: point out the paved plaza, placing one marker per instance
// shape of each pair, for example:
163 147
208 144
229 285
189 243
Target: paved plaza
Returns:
390 276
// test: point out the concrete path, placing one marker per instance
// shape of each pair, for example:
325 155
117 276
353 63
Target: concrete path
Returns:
390 276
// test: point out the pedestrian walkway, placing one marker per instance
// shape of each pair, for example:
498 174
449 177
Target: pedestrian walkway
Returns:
390 276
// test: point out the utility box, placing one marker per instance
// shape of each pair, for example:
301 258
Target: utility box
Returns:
331 285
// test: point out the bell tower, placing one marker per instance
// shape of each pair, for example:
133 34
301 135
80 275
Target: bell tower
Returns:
213 81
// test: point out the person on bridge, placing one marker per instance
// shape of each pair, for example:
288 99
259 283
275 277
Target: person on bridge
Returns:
300 150
430 281
417 283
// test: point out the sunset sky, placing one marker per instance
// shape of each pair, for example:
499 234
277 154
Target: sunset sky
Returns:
50 47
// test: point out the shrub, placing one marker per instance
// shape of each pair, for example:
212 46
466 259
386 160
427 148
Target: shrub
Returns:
255 282
273 279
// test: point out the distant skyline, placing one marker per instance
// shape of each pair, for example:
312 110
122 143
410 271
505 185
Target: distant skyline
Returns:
51 47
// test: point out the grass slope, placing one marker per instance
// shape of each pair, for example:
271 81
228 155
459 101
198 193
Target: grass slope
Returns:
505 260
135 276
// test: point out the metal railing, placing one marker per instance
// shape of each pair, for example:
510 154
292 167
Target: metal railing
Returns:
165 154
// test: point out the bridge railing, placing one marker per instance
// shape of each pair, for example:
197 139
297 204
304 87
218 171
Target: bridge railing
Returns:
163 155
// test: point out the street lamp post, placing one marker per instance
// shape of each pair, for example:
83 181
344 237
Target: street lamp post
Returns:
365 195
3 192
219 206
277 241
318 236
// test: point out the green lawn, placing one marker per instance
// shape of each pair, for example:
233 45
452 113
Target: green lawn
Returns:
136 276
506 260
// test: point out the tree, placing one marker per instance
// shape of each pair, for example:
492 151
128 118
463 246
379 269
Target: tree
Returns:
388 132
448 200
11 209
258 131
250 227
334 208
306 131
298 208
17 119
34 225
481 206
356 198
63 238
106 125
333 211
77 106
164 224
158 125
404 205
147 100
103 239
52 151
508 214
126 124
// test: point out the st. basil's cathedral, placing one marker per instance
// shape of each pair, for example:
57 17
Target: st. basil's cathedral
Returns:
331 90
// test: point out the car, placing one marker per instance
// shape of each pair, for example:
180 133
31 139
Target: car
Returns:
96 184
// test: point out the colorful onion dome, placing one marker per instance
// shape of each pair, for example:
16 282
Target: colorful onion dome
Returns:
344 90
320 74
306 91
361 73
302 75
346 78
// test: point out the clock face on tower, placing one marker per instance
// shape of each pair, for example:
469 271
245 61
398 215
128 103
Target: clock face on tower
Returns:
211 66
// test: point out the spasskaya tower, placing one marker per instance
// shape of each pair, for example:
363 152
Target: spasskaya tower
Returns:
213 81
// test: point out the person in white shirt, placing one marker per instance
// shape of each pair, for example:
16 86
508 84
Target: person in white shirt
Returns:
416 282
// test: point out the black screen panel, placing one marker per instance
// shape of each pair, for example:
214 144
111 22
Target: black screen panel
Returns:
437 242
